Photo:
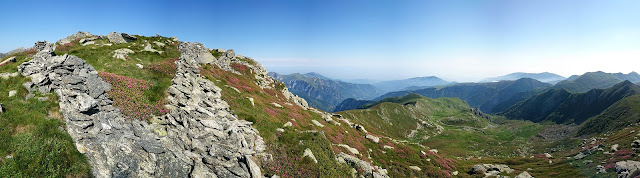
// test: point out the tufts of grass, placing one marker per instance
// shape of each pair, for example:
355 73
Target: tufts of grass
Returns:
34 143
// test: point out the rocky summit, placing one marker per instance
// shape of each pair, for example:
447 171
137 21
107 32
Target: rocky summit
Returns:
125 105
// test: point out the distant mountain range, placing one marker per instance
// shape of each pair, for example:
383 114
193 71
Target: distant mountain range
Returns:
324 93
485 96
396 85
595 80
543 77
562 106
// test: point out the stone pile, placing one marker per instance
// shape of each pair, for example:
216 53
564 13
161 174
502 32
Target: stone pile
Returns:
218 143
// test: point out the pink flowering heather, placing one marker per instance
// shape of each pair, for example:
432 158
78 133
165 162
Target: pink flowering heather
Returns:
127 94
64 47
167 67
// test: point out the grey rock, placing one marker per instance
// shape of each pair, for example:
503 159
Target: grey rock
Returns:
626 168
71 38
29 96
308 153
524 174
43 99
490 169
12 93
10 59
85 102
1 108
600 169
118 38
122 53
580 156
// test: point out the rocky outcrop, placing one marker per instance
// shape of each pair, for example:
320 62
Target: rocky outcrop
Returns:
118 38
626 168
368 170
199 138
122 53
73 37
490 169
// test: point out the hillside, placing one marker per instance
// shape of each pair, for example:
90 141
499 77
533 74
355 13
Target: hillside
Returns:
595 80
621 114
485 96
351 103
396 85
543 77
324 93
563 107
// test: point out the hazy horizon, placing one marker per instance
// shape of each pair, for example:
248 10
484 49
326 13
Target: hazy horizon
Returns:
459 41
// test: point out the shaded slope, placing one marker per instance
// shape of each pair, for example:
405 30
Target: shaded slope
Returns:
618 116
485 96
561 106
324 93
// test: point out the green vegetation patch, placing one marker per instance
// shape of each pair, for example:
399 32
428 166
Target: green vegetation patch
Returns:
34 143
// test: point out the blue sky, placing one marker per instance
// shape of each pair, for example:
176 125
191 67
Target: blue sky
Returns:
460 40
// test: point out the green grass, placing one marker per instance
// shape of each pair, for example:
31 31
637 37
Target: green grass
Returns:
31 132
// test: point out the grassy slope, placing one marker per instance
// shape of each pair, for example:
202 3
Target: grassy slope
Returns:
619 115
31 132
472 142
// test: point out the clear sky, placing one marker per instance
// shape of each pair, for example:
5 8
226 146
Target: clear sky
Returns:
460 40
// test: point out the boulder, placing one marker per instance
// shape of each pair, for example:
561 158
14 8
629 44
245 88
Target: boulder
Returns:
372 138
626 168
614 148
1 108
490 169
8 75
415 168
10 59
635 145
149 48
315 122
308 153
547 155
600 169
140 66
12 93
350 149
524 174
580 156
288 124
118 38
276 105
122 53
